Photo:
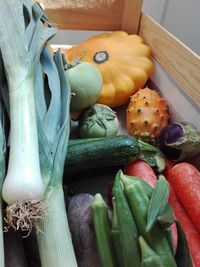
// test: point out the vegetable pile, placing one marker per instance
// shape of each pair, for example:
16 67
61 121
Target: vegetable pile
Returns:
135 217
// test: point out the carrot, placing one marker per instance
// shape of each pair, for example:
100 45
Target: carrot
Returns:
192 235
169 165
142 169
185 179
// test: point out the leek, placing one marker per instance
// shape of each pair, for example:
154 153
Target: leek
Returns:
2 176
40 113
22 38
54 240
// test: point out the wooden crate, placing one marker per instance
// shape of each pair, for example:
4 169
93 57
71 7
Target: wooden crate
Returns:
177 67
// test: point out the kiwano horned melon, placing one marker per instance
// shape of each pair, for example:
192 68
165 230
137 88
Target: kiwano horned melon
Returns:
123 60
147 115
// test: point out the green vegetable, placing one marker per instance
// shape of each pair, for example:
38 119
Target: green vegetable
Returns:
139 202
149 257
98 121
146 187
103 232
41 85
158 202
168 234
183 257
86 83
22 38
116 237
127 228
107 151
53 121
2 176
167 218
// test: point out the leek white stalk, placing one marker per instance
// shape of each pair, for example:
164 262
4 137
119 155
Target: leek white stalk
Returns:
2 176
23 180
54 242
22 38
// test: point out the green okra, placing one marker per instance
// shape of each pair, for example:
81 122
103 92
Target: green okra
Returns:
116 237
146 187
103 232
139 203
149 257
168 234
183 257
158 202
127 228
167 218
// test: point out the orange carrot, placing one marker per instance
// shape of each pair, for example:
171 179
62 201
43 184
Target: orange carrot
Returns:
185 179
192 235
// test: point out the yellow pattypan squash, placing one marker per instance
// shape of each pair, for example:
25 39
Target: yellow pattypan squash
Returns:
123 60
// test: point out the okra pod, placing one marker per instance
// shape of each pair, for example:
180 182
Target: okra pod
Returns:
149 257
183 257
103 232
167 218
158 202
116 238
139 202
127 228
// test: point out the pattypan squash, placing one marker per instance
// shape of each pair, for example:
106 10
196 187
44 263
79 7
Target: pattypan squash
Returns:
123 60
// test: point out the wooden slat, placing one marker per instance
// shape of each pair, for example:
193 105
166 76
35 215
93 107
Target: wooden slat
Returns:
96 15
131 15
180 63
106 15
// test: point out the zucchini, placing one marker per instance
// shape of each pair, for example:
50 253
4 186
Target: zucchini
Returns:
95 153
101 152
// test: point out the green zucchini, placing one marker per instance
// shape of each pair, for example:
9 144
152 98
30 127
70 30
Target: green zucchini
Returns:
101 152
95 153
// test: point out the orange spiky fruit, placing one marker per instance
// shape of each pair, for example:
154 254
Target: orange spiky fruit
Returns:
147 115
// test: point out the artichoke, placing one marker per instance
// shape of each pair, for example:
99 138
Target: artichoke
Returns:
98 121
179 141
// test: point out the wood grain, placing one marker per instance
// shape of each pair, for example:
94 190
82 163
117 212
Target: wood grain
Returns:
131 16
105 15
96 15
180 63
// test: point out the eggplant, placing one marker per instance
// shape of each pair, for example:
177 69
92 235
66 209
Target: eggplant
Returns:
179 141
83 236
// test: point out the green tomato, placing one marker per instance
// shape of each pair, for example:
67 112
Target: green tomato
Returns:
86 83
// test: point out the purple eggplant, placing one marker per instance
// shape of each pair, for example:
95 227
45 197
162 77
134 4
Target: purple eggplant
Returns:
179 141
83 236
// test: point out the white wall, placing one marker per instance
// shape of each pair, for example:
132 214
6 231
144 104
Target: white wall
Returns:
180 17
